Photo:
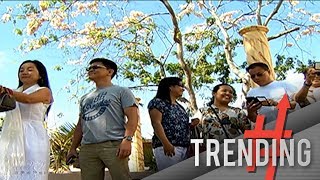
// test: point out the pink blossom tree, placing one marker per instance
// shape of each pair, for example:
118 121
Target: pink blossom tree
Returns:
196 40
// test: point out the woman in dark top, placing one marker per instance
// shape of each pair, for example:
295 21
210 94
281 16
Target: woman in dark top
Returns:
170 122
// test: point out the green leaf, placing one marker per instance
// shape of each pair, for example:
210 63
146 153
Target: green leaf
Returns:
58 68
18 31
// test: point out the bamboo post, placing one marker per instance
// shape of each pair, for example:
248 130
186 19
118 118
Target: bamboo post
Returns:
136 159
256 46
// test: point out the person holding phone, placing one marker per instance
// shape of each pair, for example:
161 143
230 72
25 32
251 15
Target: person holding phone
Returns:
107 121
269 89
219 120
310 91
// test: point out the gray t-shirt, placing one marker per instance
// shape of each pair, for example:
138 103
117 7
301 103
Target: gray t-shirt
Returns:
102 114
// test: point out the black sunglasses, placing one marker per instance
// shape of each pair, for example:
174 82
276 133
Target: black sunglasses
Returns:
258 75
94 67
317 73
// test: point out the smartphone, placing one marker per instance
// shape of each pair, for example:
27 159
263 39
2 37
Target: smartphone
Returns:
259 99
71 160
254 99
317 65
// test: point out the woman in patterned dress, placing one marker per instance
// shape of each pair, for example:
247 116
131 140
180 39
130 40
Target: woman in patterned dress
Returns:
219 120
170 122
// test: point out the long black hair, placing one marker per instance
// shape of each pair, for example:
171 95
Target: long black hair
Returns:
43 81
217 87
164 87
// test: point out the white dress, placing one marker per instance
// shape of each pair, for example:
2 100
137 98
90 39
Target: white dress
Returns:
36 141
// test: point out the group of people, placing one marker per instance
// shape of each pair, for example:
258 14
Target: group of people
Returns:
108 118
218 120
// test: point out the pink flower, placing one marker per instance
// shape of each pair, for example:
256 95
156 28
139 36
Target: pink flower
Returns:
6 17
289 45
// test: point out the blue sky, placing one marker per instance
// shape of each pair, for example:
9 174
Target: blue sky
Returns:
10 59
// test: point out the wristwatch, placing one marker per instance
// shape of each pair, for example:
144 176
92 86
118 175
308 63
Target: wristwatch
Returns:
128 138
308 85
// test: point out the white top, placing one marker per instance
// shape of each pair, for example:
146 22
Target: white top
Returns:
33 112
275 91
36 141
313 94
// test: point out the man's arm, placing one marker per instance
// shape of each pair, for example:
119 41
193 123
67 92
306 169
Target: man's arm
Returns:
76 140
301 95
132 116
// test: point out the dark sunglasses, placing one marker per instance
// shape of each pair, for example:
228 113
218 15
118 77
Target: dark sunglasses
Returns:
181 85
258 75
94 67
317 73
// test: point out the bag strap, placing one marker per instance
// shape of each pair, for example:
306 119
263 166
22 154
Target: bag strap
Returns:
220 122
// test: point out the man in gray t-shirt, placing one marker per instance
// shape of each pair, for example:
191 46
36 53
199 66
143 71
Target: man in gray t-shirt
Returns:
103 131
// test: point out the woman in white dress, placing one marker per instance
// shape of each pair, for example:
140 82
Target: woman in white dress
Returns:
24 142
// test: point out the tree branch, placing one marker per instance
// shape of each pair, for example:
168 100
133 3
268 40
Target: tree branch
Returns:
258 12
219 4
177 37
167 55
234 22
161 65
142 86
228 52
174 21
227 44
150 15
296 42
275 11
283 33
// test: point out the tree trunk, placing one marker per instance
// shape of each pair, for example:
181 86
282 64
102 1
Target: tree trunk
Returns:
256 46
177 37
228 52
